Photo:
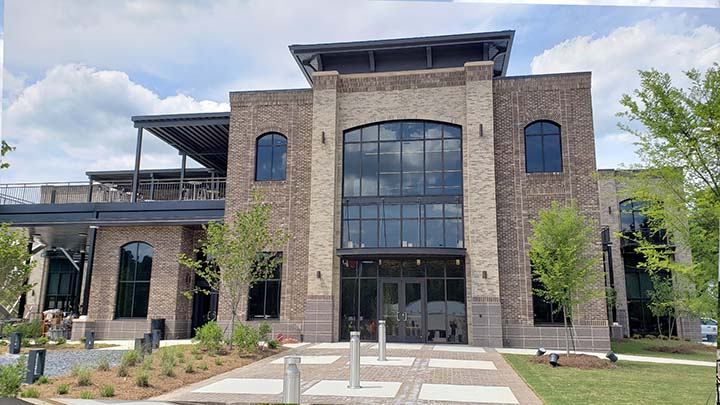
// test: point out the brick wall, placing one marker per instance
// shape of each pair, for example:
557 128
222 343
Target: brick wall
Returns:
518 101
289 113
168 280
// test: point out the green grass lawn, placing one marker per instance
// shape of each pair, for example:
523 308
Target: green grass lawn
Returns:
639 347
629 383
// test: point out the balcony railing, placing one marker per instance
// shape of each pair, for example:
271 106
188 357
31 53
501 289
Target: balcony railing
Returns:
121 191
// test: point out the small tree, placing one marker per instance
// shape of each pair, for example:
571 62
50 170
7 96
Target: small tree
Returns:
239 254
4 149
662 301
563 258
15 266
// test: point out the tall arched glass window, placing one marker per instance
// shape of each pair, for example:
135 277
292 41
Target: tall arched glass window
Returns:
270 157
133 291
542 147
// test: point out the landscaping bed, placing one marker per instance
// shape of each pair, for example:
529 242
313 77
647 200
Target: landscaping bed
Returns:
156 371
678 349
626 383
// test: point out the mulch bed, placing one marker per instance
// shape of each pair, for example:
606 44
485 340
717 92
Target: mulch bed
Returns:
581 361
126 389
682 349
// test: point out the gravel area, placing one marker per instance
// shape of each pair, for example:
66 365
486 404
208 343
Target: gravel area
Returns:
61 362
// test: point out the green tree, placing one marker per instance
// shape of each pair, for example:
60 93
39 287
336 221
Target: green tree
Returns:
238 254
678 133
4 149
662 301
15 266
564 260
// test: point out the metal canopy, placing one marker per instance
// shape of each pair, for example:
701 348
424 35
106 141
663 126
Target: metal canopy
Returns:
201 136
406 53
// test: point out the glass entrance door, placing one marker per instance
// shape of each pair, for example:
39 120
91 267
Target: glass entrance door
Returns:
402 303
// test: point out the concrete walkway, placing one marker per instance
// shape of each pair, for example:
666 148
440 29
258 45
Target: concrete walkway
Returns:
621 357
414 373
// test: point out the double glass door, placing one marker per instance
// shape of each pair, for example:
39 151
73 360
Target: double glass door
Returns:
402 303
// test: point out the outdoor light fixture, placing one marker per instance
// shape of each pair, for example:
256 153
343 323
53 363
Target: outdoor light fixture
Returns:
318 274
379 262
82 233
540 351
612 356
554 357
457 262
418 262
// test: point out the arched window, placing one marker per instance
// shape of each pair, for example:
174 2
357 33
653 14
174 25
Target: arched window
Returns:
270 156
542 147
134 280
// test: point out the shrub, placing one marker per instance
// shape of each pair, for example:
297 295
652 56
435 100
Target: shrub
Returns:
181 355
103 365
3 343
41 340
674 338
84 377
86 395
31 392
32 329
131 358
198 356
107 391
264 329
168 370
147 363
218 361
203 366
209 337
83 339
636 336
273 344
61 340
122 370
189 368
11 377
42 380
651 337
246 338
63 389
25 342
142 379
662 337
194 351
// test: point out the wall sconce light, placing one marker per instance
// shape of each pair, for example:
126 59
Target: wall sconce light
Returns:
484 274
379 262
318 274
323 137
418 262
481 130
457 262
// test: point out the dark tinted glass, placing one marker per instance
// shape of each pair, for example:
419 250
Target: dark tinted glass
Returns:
133 281
533 154
352 136
389 268
265 140
390 233
144 262
433 130
451 131
278 165
270 157
272 299
348 307
551 152
369 269
390 131
542 147
434 233
125 299
370 133
351 170
411 268
127 262
412 130
436 268
368 235
368 308
263 171
142 295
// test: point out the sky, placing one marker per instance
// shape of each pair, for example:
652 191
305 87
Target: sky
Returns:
75 71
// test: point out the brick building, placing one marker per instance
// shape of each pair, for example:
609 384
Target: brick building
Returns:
407 175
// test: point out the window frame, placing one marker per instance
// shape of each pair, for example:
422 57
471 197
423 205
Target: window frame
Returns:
264 284
542 135
273 147
134 282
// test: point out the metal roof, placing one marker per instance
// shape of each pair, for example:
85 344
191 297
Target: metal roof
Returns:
390 55
127 175
201 136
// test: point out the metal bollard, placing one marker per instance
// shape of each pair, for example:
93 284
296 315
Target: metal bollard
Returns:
89 339
381 340
36 365
15 343
291 381
139 344
155 339
354 360
147 343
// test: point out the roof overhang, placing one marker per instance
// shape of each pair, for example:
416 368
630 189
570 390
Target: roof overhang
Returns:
201 136
406 53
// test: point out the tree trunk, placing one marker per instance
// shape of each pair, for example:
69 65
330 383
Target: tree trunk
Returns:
567 342
671 324
658 322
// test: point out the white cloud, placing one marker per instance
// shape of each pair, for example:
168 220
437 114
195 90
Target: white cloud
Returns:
77 118
672 43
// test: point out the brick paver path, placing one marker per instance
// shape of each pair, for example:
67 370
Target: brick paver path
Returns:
411 377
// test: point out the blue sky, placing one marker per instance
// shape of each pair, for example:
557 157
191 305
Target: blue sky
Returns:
75 71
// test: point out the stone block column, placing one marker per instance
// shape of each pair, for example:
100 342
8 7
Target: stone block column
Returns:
483 280
319 323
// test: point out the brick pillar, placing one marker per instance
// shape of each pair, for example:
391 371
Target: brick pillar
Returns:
483 281
319 311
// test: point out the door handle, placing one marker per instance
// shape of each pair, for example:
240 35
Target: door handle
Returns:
397 316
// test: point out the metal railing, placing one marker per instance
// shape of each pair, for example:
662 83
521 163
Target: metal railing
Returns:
120 191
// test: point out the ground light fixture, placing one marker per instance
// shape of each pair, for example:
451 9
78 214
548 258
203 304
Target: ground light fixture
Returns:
612 356
540 351
554 357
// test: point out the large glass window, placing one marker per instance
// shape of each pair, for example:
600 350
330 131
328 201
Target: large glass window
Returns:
405 158
264 297
544 312
270 156
542 147
60 293
133 291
